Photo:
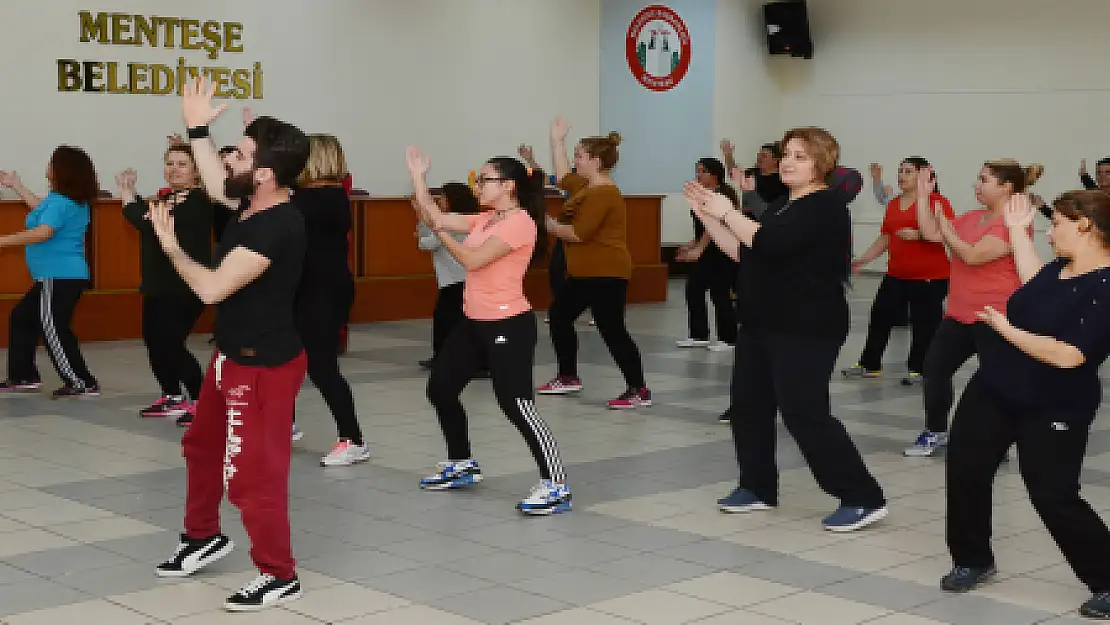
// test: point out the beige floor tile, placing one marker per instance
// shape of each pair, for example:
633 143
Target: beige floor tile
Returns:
30 540
1036 594
659 607
174 599
904 619
783 540
810 607
413 615
344 601
98 530
742 617
927 571
578 616
858 557
272 616
732 589
58 513
97 612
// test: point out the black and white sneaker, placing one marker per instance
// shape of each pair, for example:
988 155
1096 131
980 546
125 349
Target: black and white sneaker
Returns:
193 554
264 592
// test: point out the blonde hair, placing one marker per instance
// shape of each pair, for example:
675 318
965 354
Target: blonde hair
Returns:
604 149
1008 170
821 147
326 162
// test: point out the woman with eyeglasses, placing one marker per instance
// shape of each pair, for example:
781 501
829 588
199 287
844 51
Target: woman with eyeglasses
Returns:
594 232
499 329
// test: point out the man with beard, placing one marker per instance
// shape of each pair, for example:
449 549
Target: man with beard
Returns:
239 440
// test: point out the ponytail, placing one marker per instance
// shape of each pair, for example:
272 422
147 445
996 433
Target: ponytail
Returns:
533 199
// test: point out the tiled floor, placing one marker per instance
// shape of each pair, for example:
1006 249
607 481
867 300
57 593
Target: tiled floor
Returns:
90 500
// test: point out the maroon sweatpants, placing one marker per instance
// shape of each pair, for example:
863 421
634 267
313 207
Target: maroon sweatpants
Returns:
241 441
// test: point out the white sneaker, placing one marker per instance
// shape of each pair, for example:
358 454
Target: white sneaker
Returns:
298 434
345 453
721 346
691 343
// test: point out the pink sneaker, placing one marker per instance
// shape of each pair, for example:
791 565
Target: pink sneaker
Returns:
632 398
165 407
186 419
561 385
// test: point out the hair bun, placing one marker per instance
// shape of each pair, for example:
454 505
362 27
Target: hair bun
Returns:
614 137
1033 173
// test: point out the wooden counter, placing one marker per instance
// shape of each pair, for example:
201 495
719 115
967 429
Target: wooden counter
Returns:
394 279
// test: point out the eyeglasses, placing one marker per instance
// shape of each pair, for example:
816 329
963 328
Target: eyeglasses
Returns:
481 180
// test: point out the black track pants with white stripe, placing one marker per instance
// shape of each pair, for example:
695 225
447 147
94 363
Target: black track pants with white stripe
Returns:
509 348
46 311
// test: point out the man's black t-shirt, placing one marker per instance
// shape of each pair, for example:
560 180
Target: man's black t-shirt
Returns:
255 325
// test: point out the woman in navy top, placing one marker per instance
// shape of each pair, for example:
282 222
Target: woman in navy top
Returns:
54 242
1039 389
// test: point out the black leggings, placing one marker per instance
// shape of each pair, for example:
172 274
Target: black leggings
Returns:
509 346
925 299
557 268
716 273
952 346
322 311
167 322
790 374
605 297
1050 448
46 311
447 314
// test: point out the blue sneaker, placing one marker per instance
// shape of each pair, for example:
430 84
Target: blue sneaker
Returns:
927 444
546 498
742 500
847 519
453 474
1097 607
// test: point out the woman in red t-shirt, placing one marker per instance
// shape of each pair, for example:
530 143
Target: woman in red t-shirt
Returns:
983 274
916 274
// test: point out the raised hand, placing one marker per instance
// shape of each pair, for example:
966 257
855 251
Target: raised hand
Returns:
525 152
926 183
196 103
9 179
418 164
1018 211
727 148
704 201
559 128
746 182
876 172
175 139
126 179
248 116
1083 167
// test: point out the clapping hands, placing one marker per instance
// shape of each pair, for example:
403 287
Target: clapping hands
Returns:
1018 211
706 202
418 164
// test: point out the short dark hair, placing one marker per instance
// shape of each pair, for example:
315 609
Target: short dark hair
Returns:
73 174
227 149
774 148
281 147
460 198
1103 161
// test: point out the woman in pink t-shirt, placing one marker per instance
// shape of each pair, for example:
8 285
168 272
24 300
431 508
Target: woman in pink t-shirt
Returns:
499 329
983 274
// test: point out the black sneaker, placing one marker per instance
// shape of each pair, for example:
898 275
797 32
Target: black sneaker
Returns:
726 417
29 386
965 578
427 363
185 420
72 392
1097 607
193 554
264 592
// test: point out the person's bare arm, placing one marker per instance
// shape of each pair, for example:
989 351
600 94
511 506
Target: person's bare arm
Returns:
559 159
197 109
38 234
434 218
11 180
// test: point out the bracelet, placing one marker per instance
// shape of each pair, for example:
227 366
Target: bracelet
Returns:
198 132
724 217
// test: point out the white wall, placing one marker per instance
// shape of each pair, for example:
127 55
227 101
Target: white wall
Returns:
958 82
464 80
745 99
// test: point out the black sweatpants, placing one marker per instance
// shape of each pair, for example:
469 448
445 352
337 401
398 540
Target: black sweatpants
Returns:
47 310
925 299
953 345
606 299
167 322
790 373
509 346
716 273
447 313
557 268
322 311
1050 447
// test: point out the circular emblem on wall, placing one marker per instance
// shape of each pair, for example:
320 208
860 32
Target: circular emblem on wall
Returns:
658 48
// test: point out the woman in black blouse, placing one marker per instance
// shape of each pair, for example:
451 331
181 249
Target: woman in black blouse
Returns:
1040 389
327 290
170 308
794 265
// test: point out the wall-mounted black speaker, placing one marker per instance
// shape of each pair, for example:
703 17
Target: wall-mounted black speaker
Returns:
787 25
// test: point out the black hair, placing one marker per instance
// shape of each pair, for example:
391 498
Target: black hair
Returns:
1103 161
920 162
774 148
460 198
529 193
281 147
227 149
716 168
